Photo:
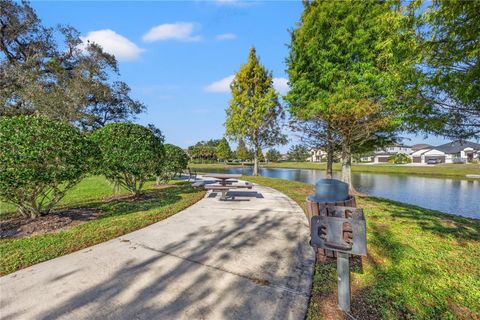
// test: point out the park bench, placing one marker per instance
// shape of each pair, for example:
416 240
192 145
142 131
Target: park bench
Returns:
191 174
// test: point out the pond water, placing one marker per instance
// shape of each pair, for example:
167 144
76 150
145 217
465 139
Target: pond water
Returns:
455 196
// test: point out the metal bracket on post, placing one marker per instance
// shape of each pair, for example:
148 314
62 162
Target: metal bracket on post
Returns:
345 236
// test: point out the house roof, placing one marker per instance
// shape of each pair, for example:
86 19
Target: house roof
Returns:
457 146
423 151
421 146
399 145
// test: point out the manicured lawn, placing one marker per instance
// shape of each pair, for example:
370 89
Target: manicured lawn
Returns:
452 170
422 264
119 217
89 189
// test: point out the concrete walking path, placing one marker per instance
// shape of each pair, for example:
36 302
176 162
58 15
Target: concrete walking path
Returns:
242 259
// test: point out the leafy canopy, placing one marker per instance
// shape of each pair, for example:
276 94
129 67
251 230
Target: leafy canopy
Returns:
345 54
352 67
450 94
131 154
40 159
50 72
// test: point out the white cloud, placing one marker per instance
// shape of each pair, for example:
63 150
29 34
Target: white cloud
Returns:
113 43
177 31
281 85
222 85
226 36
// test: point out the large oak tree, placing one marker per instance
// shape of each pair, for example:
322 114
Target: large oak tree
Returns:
50 72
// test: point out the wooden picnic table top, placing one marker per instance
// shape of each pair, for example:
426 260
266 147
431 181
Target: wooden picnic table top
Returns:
223 176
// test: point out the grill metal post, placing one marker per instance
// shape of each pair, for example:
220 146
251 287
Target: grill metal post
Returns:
343 274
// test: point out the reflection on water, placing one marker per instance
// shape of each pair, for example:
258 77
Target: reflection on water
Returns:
456 196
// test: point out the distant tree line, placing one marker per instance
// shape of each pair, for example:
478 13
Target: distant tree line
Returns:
216 150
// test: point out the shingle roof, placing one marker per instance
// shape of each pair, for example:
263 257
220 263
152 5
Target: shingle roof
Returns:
420 146
457 146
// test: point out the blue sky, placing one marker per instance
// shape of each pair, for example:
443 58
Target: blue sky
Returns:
178 56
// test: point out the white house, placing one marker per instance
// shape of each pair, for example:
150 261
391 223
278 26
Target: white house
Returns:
383 154
423 155
451 152
317 155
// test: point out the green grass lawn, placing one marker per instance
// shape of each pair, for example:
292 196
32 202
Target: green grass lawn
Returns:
422 264
452 170
120 217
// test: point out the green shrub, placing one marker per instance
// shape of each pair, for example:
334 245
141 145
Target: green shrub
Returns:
40 159
131 154
175 161
400 158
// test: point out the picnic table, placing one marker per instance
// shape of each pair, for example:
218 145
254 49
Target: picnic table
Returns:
225 183
223 177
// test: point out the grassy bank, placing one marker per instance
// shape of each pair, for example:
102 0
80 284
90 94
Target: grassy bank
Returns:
446 170
118 217
422 264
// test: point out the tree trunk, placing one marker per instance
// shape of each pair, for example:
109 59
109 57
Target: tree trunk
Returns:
255 163
330 150
329 162
158 180
347 166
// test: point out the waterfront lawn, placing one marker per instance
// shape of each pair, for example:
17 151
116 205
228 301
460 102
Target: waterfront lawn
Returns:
422 264
119 216
447 170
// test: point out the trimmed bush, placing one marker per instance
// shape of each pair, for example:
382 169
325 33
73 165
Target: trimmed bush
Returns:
40 159
175 161
400 158
131 154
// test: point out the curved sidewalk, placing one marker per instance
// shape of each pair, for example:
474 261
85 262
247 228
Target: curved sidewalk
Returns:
243 259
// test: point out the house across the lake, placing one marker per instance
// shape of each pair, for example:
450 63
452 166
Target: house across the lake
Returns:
451 152
317 155
382 155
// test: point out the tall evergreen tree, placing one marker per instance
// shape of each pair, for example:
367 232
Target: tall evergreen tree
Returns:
254 113
349 66
223 150
241 153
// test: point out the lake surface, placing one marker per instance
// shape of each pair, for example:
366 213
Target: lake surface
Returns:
456 196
